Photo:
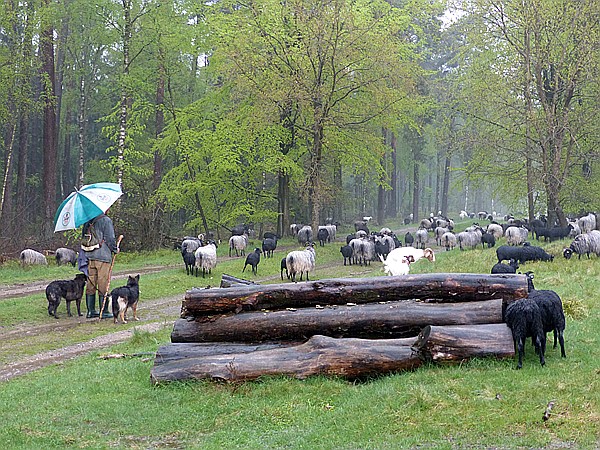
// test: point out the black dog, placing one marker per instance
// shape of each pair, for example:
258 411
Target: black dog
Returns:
125 297
69 290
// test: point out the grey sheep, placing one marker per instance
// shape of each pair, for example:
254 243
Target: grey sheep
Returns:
516 235
239 244
30 257
471 237
300 261
584 244
305 234
587 223
449 240
65 256
421 236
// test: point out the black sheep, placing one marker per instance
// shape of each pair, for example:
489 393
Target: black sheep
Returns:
524 318
408 239
347 253
252 260
189 259
322 236
488 239
284 267
268 246
553 316
522 254
511 267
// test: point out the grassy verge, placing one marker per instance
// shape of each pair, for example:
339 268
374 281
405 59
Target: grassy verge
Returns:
91 402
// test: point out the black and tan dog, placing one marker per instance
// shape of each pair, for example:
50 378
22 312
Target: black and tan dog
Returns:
126 297
69 290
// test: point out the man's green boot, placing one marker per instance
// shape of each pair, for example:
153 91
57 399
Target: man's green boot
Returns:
90 302
106 314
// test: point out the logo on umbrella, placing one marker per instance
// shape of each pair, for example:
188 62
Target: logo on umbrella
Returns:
104 198
65 218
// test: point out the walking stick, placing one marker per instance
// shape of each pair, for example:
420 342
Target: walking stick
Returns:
120 238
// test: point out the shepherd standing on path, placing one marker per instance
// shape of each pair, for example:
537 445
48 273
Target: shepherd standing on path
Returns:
101 234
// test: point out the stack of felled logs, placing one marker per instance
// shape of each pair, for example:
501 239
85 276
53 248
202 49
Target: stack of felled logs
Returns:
351 328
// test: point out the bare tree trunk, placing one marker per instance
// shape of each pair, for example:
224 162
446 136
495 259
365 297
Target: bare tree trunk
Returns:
49 141
81 132
416 188
446 185
160 125
393 194
6 194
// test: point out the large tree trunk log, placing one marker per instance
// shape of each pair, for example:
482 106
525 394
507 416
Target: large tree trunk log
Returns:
457 343
180 351
228 281
447 287
389 320
321 355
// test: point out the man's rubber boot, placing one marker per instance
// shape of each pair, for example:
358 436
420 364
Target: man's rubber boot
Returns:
90 303
106 314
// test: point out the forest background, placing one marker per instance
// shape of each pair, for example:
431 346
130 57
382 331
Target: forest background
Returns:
273 112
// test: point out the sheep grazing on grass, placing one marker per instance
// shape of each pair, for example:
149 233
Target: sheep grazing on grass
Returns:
516 235
65 256
206 258
524 318
522 254
449 240
252 260
347 253
409 239
393 267
470 238
398 254
488 239
496 230
29 257
300 261
511 267
268 247
421 238
551 308
551 234
584 244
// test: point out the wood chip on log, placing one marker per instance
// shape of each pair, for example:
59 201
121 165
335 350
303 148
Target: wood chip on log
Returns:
398 319
444 287
320 355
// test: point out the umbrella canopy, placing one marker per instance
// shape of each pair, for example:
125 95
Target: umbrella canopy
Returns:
85 204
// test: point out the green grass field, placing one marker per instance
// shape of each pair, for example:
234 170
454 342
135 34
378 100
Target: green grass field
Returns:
95 403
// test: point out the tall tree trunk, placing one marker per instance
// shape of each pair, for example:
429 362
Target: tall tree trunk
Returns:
393 194
22 170
6 193
283 203
125 100
66 176
160 125
314 178
416 188
446 185
49 139
81 132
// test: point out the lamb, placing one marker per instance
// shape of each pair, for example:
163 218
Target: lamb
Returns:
524 318
449 240
584 243
553 316
30 257
522 254
206 258
268 247
300 261
516 235
511 267
305 234
65 256
347 253
238 242
396 268
421 238
252 260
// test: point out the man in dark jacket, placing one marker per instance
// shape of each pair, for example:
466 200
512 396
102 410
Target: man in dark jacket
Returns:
99 263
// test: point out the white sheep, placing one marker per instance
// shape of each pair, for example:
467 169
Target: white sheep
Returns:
587 223
398 254
300 261
31 257
496 230
239 244
397 268
206 258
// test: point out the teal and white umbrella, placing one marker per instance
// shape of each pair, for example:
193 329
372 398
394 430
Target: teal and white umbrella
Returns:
84 204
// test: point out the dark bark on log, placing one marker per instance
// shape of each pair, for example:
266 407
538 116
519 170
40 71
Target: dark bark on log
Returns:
445 287
458 343
389 320
174 352
321 355
228 281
